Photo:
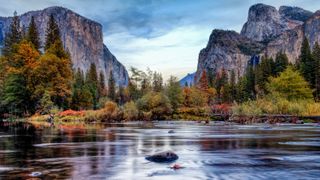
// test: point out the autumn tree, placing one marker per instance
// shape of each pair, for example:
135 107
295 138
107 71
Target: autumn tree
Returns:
290 85
203 81
54 75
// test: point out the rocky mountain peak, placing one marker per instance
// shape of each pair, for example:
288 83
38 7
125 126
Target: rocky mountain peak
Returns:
294 13
267 32
264 23
81 37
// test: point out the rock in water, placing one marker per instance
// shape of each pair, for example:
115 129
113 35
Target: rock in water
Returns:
163 157
171 131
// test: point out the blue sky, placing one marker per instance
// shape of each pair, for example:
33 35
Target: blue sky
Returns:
164 35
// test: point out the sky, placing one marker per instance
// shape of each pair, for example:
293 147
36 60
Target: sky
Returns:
163 35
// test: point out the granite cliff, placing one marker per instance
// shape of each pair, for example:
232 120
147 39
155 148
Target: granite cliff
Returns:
266 32
82 38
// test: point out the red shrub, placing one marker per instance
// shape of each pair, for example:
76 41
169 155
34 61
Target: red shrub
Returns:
72 113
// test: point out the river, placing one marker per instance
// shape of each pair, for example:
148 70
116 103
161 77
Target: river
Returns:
118 151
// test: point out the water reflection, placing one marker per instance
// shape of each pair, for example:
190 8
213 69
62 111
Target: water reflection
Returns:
117 151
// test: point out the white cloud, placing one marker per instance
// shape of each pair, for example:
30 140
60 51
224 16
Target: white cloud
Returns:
174 53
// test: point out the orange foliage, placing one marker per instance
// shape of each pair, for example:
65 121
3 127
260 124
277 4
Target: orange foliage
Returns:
72 113
221 108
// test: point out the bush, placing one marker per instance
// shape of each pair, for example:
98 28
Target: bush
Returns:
131 111
155 103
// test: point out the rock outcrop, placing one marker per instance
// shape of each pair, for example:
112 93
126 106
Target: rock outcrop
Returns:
227 50
81 37
189 79
266 32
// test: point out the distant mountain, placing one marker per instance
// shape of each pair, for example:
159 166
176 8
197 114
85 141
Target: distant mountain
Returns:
189 78
266 32
81 37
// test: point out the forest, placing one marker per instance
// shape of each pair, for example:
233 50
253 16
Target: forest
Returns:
37 81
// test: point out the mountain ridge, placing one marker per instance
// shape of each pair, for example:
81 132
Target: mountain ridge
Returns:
81 37
266 32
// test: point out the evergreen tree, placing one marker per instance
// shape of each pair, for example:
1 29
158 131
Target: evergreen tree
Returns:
15 94
220 80
33 35
157 82
46 103
250 82
52 33
102 86
93 83
174 92
316 58
233 88
262 72
281 63
111 87
120 96
13 36
306 63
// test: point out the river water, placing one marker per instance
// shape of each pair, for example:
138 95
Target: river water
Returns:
118 151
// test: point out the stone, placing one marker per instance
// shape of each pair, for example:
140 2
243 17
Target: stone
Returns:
171 131
163 157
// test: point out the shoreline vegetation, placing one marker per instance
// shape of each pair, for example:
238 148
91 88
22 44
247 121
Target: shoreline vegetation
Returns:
37 82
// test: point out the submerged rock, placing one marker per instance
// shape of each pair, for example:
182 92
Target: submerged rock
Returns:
171 131
163 157
271 158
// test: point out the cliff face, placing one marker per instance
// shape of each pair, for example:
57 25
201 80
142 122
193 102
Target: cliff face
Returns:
267 32
81 37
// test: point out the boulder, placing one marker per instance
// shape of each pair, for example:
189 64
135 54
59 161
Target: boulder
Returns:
163 157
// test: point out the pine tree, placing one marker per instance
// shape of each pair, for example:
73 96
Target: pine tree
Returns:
13 36
157 82
46 103
306 62
52 33
15 94
233 88
316 58
281 63
174 92
93 83
120 96
111 87
220 80
33 35
262 72
102 86
250 82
